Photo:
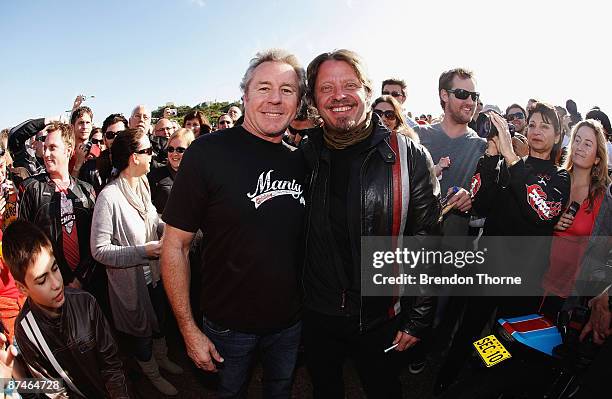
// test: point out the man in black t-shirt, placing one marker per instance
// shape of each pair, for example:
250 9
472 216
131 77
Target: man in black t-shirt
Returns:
244 189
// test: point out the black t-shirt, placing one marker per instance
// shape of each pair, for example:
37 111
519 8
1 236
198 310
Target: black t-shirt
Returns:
246 195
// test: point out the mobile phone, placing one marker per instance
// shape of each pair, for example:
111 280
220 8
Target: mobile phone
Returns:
573 208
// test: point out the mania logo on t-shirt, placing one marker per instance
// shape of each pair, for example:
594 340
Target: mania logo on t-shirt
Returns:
268 189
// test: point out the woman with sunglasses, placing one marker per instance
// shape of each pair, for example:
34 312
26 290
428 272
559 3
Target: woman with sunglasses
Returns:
161 179
97 139
389 111
125 238
587 164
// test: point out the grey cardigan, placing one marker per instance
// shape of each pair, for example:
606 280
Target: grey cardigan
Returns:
117 241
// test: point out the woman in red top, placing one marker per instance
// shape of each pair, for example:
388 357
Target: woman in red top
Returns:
587 164
11 300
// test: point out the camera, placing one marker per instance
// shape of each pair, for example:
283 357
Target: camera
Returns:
87 145
486 129
573 208
172 111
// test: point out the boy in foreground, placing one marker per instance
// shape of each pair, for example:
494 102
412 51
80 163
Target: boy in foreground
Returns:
60 332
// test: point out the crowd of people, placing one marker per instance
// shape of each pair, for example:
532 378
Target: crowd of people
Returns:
249 232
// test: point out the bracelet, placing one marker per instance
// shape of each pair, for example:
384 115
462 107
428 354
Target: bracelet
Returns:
517 160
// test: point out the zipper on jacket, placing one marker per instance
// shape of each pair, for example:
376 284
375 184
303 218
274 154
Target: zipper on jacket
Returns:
313 177
343 300
361 232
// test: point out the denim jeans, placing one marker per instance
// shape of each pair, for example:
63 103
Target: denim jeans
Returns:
278 354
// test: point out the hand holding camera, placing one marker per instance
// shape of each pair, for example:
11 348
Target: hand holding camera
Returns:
170 112
503 138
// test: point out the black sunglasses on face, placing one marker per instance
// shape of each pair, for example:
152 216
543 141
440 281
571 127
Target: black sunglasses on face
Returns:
180 150
148 151
386 114
40 138
96 141
516 115
224 122
393 93
110 135
462 94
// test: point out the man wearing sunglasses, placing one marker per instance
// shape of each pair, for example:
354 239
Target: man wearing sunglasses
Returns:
224 122
453 138
396 88
97 171
516 115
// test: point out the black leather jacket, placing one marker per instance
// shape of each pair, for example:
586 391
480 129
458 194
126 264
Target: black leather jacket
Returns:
40 204
374 205
82 343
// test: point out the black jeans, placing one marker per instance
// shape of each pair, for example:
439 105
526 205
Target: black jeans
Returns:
329 340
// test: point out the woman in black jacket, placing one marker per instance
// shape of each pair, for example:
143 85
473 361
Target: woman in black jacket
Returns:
161 179
522 198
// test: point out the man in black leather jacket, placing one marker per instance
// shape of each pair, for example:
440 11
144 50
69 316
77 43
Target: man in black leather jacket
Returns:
60 325
62 207
354 192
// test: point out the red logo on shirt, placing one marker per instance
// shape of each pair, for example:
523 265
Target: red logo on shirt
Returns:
475 185
536 197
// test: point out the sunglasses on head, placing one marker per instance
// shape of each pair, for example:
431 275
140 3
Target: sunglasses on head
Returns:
393 93
179 150
40 138
462 94
96 141
148 151
110 135
516 115
386 114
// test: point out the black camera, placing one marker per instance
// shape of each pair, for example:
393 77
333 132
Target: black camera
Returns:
486 129
87 145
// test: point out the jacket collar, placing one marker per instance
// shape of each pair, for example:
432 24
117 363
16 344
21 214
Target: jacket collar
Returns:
312 145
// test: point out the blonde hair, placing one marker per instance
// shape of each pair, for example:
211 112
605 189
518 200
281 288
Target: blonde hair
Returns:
182 133
599 172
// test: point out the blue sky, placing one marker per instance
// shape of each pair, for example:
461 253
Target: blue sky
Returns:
189 51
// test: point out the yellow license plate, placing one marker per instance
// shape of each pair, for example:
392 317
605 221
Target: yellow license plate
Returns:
491 351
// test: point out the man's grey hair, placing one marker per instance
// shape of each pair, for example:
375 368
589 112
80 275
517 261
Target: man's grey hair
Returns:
275 55
144 107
